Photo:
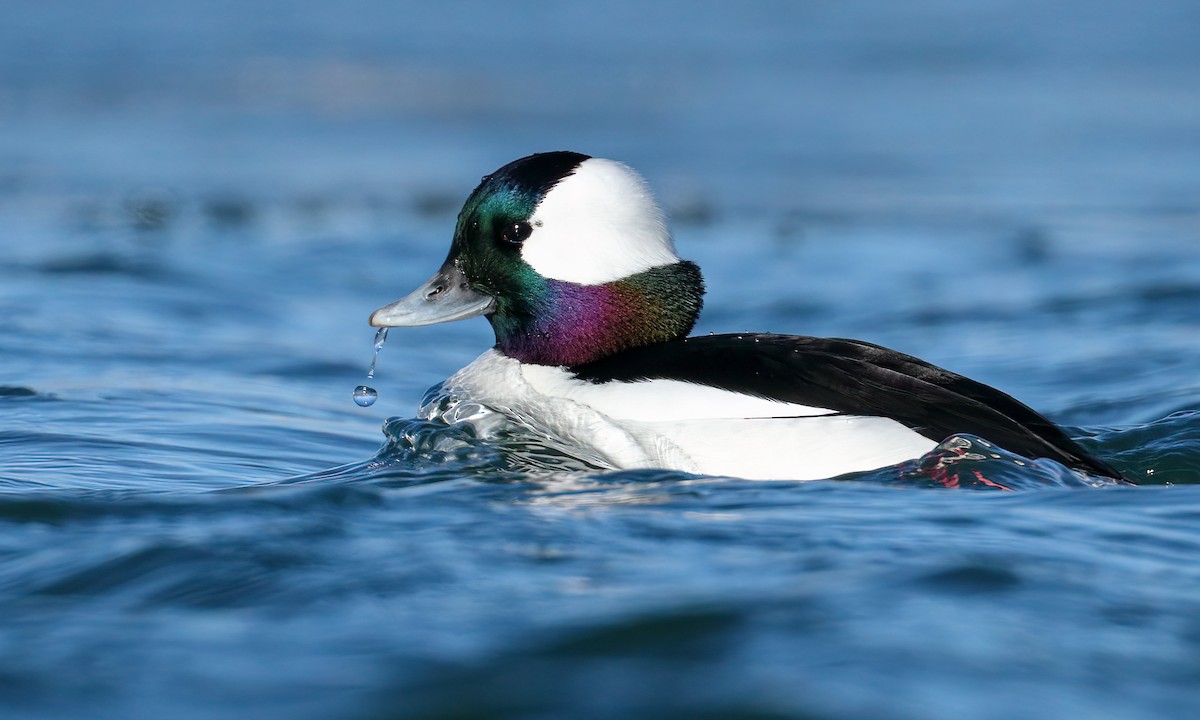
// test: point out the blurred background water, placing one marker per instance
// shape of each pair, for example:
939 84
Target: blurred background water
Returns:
201 203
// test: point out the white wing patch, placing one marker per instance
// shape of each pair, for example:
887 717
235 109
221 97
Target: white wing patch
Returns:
660 400
598 225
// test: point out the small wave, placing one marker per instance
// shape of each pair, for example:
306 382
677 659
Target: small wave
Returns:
967 461
1163 452
491 448
456 442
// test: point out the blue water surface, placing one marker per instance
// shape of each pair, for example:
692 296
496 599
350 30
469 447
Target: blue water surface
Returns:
200 204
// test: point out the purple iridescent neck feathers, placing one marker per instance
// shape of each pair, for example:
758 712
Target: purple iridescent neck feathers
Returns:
563 323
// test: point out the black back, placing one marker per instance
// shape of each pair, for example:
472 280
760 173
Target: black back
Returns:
854 378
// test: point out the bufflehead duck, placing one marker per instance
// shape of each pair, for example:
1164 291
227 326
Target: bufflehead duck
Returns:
570 259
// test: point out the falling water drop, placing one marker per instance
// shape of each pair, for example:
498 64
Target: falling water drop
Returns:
365 396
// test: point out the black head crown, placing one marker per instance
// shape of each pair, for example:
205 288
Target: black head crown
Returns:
539 172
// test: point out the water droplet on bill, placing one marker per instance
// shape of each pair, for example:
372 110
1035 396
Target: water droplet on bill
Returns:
380 338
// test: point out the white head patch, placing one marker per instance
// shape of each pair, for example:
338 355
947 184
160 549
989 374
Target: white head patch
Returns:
598 225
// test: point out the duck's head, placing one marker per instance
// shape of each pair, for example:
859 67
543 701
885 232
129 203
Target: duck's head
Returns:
570 259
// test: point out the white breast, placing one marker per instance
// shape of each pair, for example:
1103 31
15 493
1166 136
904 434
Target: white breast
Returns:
677 425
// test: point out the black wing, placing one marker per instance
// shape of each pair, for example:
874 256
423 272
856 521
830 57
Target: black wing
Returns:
855 378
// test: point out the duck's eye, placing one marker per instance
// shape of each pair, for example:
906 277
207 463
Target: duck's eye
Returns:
516 233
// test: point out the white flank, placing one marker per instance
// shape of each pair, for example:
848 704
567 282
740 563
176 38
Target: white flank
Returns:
598 225
799 448
682 426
